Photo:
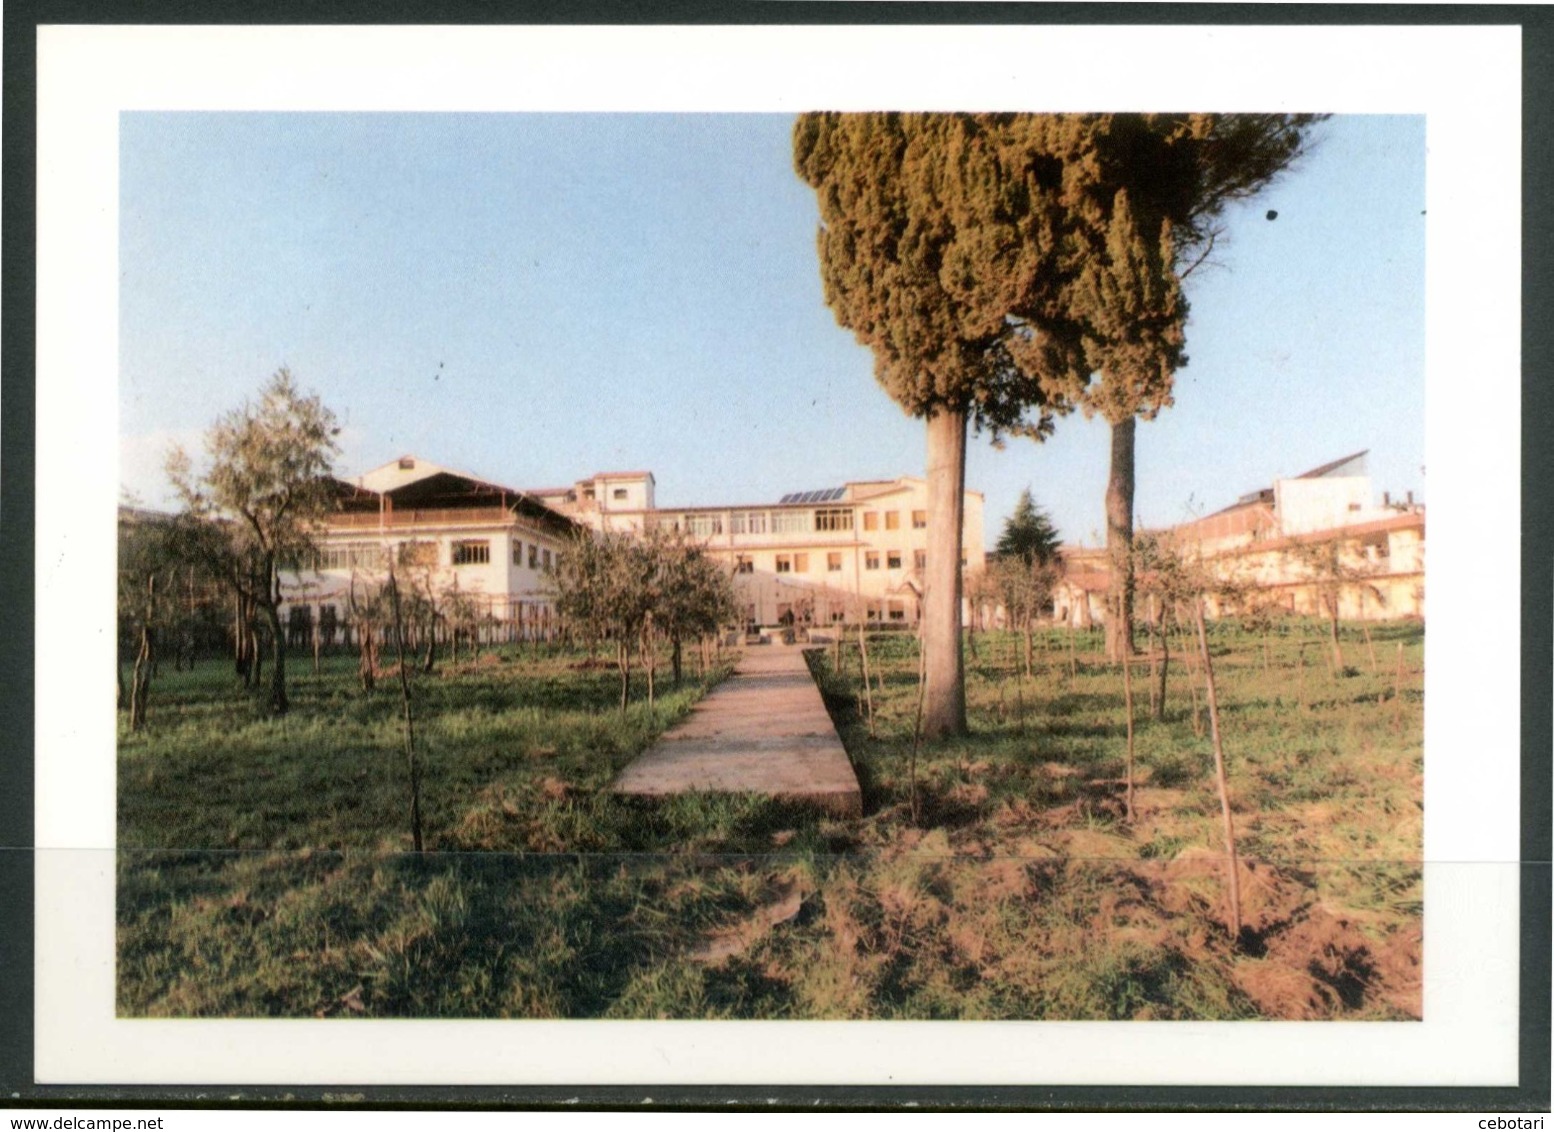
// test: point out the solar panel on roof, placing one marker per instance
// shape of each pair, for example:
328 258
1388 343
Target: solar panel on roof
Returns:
822 495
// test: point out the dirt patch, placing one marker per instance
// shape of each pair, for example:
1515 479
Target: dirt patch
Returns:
786 904
1298 959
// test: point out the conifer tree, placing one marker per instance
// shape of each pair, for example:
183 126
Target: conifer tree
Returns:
1145 195
929 238
1028 534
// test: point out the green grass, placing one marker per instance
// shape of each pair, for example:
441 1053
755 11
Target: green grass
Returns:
264 868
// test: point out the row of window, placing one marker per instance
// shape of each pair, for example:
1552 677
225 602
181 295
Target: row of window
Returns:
892 520
798 563
791 522
464 552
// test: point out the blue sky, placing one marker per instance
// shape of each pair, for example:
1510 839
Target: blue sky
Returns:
535 297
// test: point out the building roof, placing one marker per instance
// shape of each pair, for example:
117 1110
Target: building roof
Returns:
434 487
1338 467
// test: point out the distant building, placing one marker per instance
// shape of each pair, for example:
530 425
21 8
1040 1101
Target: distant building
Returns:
436 525
811 558
1255 541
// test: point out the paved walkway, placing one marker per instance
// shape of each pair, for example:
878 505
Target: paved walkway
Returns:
764 730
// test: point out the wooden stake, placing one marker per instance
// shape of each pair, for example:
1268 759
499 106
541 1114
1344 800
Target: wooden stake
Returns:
863 659
1397 692
1219 774
917 724
404 696
1127 698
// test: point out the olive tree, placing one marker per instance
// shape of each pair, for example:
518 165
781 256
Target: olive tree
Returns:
267 486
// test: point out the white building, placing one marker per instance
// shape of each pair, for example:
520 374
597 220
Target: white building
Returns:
812 557
1258 539
442 528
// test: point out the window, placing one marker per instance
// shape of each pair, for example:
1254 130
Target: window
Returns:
784 564
744 564
919 520
472 552
418 554
1354 506
801 564
897 611
871 560
517 552
893 559
704 525
790 522
834 519
920 559
892 520
871 520
618 493
748 522
588 493
834 561
736 523
545 559
534 557
351 556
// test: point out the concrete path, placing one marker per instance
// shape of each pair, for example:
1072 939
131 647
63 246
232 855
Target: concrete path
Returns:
764 730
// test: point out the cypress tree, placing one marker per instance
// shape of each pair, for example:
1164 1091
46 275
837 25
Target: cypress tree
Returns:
928 239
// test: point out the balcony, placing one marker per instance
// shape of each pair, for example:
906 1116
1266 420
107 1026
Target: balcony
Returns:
415 517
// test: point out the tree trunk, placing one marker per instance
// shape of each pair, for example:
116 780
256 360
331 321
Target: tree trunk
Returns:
1338 651
944 688
674 659
367 667
1027 630
242 641
650 663
623 662
1119 540
1165 665
278 701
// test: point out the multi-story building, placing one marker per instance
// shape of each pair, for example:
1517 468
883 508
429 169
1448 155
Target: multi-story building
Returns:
437 527
812 557
1266 541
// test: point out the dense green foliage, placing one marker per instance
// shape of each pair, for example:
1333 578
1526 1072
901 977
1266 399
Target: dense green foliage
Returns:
1028 534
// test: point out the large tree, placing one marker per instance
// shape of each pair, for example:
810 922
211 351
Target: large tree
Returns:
267 486
1145 196
930 236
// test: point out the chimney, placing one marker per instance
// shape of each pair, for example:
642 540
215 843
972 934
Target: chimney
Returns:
1410 499
1386 499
